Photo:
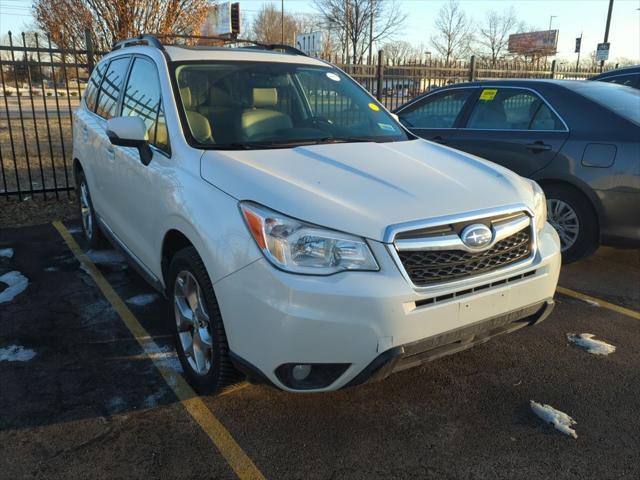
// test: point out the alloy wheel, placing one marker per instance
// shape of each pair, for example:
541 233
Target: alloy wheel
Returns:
192 321
564 220
85 210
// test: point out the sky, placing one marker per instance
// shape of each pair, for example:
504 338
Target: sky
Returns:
571 17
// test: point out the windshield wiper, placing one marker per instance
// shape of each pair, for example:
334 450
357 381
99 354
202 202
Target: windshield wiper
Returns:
296 143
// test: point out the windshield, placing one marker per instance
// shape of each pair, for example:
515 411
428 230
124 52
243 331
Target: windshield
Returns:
625 101
231 105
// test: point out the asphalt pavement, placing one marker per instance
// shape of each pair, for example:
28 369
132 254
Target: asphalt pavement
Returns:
90 404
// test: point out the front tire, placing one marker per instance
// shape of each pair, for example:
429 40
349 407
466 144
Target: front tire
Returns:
92 233
573 217
196 323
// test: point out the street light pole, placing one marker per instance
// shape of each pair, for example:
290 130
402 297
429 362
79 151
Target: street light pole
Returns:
606 29
282 20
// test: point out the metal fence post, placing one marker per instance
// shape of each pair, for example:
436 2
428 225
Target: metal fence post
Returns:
472 68
89 46
553 69
380 76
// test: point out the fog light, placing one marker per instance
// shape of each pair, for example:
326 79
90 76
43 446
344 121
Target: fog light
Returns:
300 372
309 376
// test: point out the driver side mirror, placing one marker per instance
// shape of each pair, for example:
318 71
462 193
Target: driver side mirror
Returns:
130 132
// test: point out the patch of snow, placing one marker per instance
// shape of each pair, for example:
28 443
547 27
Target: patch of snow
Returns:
16 284
16 353
587 342
560 420
153 400
105 256
6 252
74 229
143 299
588 301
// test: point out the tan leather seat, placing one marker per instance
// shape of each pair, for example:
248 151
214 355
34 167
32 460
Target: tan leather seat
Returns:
263 120
198 123
223 114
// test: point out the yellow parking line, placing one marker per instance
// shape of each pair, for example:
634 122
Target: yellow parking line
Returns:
603 303
219 435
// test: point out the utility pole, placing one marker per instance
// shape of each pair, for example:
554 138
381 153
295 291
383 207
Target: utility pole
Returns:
373 10
282 20
606 29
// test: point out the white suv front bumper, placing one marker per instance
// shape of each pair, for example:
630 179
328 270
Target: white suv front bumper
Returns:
273 318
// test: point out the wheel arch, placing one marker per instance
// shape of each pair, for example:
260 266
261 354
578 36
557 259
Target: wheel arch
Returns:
590 197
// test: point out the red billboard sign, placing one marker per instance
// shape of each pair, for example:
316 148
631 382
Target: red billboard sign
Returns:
534 43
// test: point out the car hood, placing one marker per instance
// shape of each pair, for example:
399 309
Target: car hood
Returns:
362 188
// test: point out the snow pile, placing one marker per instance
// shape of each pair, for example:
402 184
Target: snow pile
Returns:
6 252
16 353
16 284
143 299
105 256
560 420
586 341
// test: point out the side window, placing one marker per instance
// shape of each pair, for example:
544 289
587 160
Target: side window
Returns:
436 111
93 86
631 80
512 109
142 99
111 87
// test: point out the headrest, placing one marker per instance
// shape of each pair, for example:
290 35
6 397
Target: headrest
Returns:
185 94
265 97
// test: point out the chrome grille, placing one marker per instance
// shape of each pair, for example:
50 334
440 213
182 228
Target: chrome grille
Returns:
440 256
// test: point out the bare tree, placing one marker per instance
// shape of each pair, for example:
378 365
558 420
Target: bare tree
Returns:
267 25
112 20
493 34
454 36
399 50
361 23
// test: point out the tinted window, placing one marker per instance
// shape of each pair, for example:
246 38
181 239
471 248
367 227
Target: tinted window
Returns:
512 109
630 80
93 86
436 111
623 101
142 99
111 87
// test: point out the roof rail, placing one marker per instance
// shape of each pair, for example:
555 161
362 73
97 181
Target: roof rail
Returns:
153 40
139 40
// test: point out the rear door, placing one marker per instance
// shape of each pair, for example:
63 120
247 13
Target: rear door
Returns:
436 116
514 127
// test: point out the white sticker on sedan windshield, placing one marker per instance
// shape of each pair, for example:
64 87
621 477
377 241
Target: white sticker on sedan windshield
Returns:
333 76
387 127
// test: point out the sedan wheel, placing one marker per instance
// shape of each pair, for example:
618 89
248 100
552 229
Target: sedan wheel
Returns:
564 220
85 210
192 322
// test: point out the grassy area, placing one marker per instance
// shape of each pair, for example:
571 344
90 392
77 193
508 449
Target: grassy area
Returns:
35 153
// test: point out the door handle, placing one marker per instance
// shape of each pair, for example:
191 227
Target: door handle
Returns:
439 139
538 146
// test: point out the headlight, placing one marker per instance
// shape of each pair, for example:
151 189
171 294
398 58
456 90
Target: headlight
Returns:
539 205
299 247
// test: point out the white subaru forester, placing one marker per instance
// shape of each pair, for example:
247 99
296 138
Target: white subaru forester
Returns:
300 233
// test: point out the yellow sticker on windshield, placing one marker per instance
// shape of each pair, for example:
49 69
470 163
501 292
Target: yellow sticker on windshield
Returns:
488 95
374 107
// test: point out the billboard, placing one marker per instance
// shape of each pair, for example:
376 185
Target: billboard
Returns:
543 43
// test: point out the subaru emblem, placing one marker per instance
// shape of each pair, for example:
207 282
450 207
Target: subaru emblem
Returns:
476 236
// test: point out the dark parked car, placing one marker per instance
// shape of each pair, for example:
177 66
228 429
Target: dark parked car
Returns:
629 76
579 140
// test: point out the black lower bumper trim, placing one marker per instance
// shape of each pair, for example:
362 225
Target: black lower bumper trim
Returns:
428 349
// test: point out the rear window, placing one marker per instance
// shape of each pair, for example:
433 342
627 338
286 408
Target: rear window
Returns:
625 101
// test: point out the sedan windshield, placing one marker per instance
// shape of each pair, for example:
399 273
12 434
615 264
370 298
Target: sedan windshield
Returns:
250 105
